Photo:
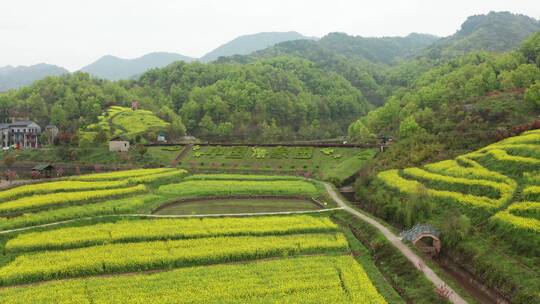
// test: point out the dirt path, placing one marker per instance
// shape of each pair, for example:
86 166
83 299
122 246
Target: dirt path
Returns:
396 241
5 184
181 155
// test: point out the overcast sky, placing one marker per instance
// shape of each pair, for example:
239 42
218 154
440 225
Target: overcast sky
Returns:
73 33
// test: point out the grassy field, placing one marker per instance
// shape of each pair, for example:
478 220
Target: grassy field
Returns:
333 164
205 188
497 188
238 206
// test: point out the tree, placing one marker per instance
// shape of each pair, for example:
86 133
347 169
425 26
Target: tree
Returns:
531 49
101 136
270 132
9 159
207 125
532 94
141 149
455 227
58 115
410 128
358 132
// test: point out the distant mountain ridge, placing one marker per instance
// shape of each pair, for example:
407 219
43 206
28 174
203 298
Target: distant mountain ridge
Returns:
495 32
247 44
15 77
377 49
115 68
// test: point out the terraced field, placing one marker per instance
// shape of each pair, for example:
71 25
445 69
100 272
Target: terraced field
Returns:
264 259
333 164
83 196
498 187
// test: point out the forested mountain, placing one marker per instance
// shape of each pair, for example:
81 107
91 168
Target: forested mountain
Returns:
115 68
361 74
496 32
246 44
461 104
278 98
307 89
15 77
272 99
387 50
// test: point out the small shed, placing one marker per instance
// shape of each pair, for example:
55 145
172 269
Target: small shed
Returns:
43 170
119 144
162 137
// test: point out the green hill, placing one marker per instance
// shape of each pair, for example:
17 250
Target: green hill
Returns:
497 190
495 32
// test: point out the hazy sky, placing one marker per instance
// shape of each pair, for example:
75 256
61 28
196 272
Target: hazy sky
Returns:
73 33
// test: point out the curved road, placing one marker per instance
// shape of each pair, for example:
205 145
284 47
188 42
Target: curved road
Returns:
396 241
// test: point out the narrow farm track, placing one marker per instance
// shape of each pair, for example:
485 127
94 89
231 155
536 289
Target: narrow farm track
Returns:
171 216
396 241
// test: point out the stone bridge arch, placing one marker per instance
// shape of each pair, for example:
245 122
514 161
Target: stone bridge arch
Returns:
424 231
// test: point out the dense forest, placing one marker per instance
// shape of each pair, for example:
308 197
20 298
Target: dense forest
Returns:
306 89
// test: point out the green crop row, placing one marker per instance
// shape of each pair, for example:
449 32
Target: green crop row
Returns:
119 206
532 178
61 198
252 177
526 209
201 188
518 216
523 232
59 186
502 155
472 171
532 193
525 150
525 138
306 280
168 229
121 174
151 178
501 161
127 257
501 191
393 180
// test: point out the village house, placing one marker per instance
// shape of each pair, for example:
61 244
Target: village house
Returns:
20 134
119 144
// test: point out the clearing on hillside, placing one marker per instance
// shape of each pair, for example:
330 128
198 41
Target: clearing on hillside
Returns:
122 121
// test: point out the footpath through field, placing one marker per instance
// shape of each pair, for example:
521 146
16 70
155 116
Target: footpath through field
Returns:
396 241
